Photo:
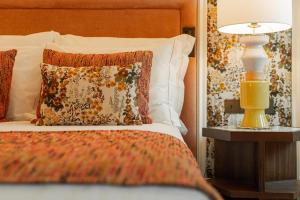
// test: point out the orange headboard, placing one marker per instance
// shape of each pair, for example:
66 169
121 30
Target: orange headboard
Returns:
119 18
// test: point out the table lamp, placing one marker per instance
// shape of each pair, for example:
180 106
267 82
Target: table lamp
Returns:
254 18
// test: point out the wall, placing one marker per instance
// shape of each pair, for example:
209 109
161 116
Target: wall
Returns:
201 80
296 71
296 62
224 69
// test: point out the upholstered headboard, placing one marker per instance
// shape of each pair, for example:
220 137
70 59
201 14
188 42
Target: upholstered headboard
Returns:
119 18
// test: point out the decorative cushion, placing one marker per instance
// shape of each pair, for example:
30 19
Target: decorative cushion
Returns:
78 60
170 63
105 95
7 59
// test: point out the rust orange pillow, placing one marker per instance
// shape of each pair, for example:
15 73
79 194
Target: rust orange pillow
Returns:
99 60
7 60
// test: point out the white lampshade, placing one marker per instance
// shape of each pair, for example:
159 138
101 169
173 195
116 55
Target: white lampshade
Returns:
235 16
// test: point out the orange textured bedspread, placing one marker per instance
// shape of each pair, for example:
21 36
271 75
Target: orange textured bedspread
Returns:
129 158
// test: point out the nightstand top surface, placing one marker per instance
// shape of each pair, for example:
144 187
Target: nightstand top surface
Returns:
227 133
272 129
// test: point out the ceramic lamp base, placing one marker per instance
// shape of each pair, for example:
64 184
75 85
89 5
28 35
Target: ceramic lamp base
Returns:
255 119
255 99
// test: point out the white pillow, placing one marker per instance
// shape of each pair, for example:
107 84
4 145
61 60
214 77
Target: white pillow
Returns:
26 83
28 40
26 79
170 61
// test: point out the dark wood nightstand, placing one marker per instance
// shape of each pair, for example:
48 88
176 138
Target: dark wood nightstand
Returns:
255 164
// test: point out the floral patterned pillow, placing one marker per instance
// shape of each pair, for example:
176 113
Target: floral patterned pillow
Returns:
78 60
7 60
104 95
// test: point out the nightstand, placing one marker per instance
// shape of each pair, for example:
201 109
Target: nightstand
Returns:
255 164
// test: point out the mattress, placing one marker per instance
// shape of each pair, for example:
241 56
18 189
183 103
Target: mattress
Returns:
94 192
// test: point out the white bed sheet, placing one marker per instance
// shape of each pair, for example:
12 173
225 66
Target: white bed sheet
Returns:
27 126
94 192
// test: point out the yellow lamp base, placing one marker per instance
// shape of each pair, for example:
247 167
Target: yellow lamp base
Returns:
255 99
255 119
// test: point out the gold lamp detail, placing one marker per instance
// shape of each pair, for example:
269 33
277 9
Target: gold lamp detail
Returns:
253 19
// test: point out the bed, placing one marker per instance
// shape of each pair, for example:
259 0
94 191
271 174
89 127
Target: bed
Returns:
117 18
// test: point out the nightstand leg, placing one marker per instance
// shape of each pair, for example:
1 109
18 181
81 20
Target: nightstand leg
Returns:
261 157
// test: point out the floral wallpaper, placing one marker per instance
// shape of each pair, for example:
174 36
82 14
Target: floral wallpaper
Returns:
225 70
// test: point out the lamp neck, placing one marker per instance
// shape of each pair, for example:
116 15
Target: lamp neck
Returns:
254 26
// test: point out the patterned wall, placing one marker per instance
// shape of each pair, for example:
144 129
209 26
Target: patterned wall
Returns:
224 73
